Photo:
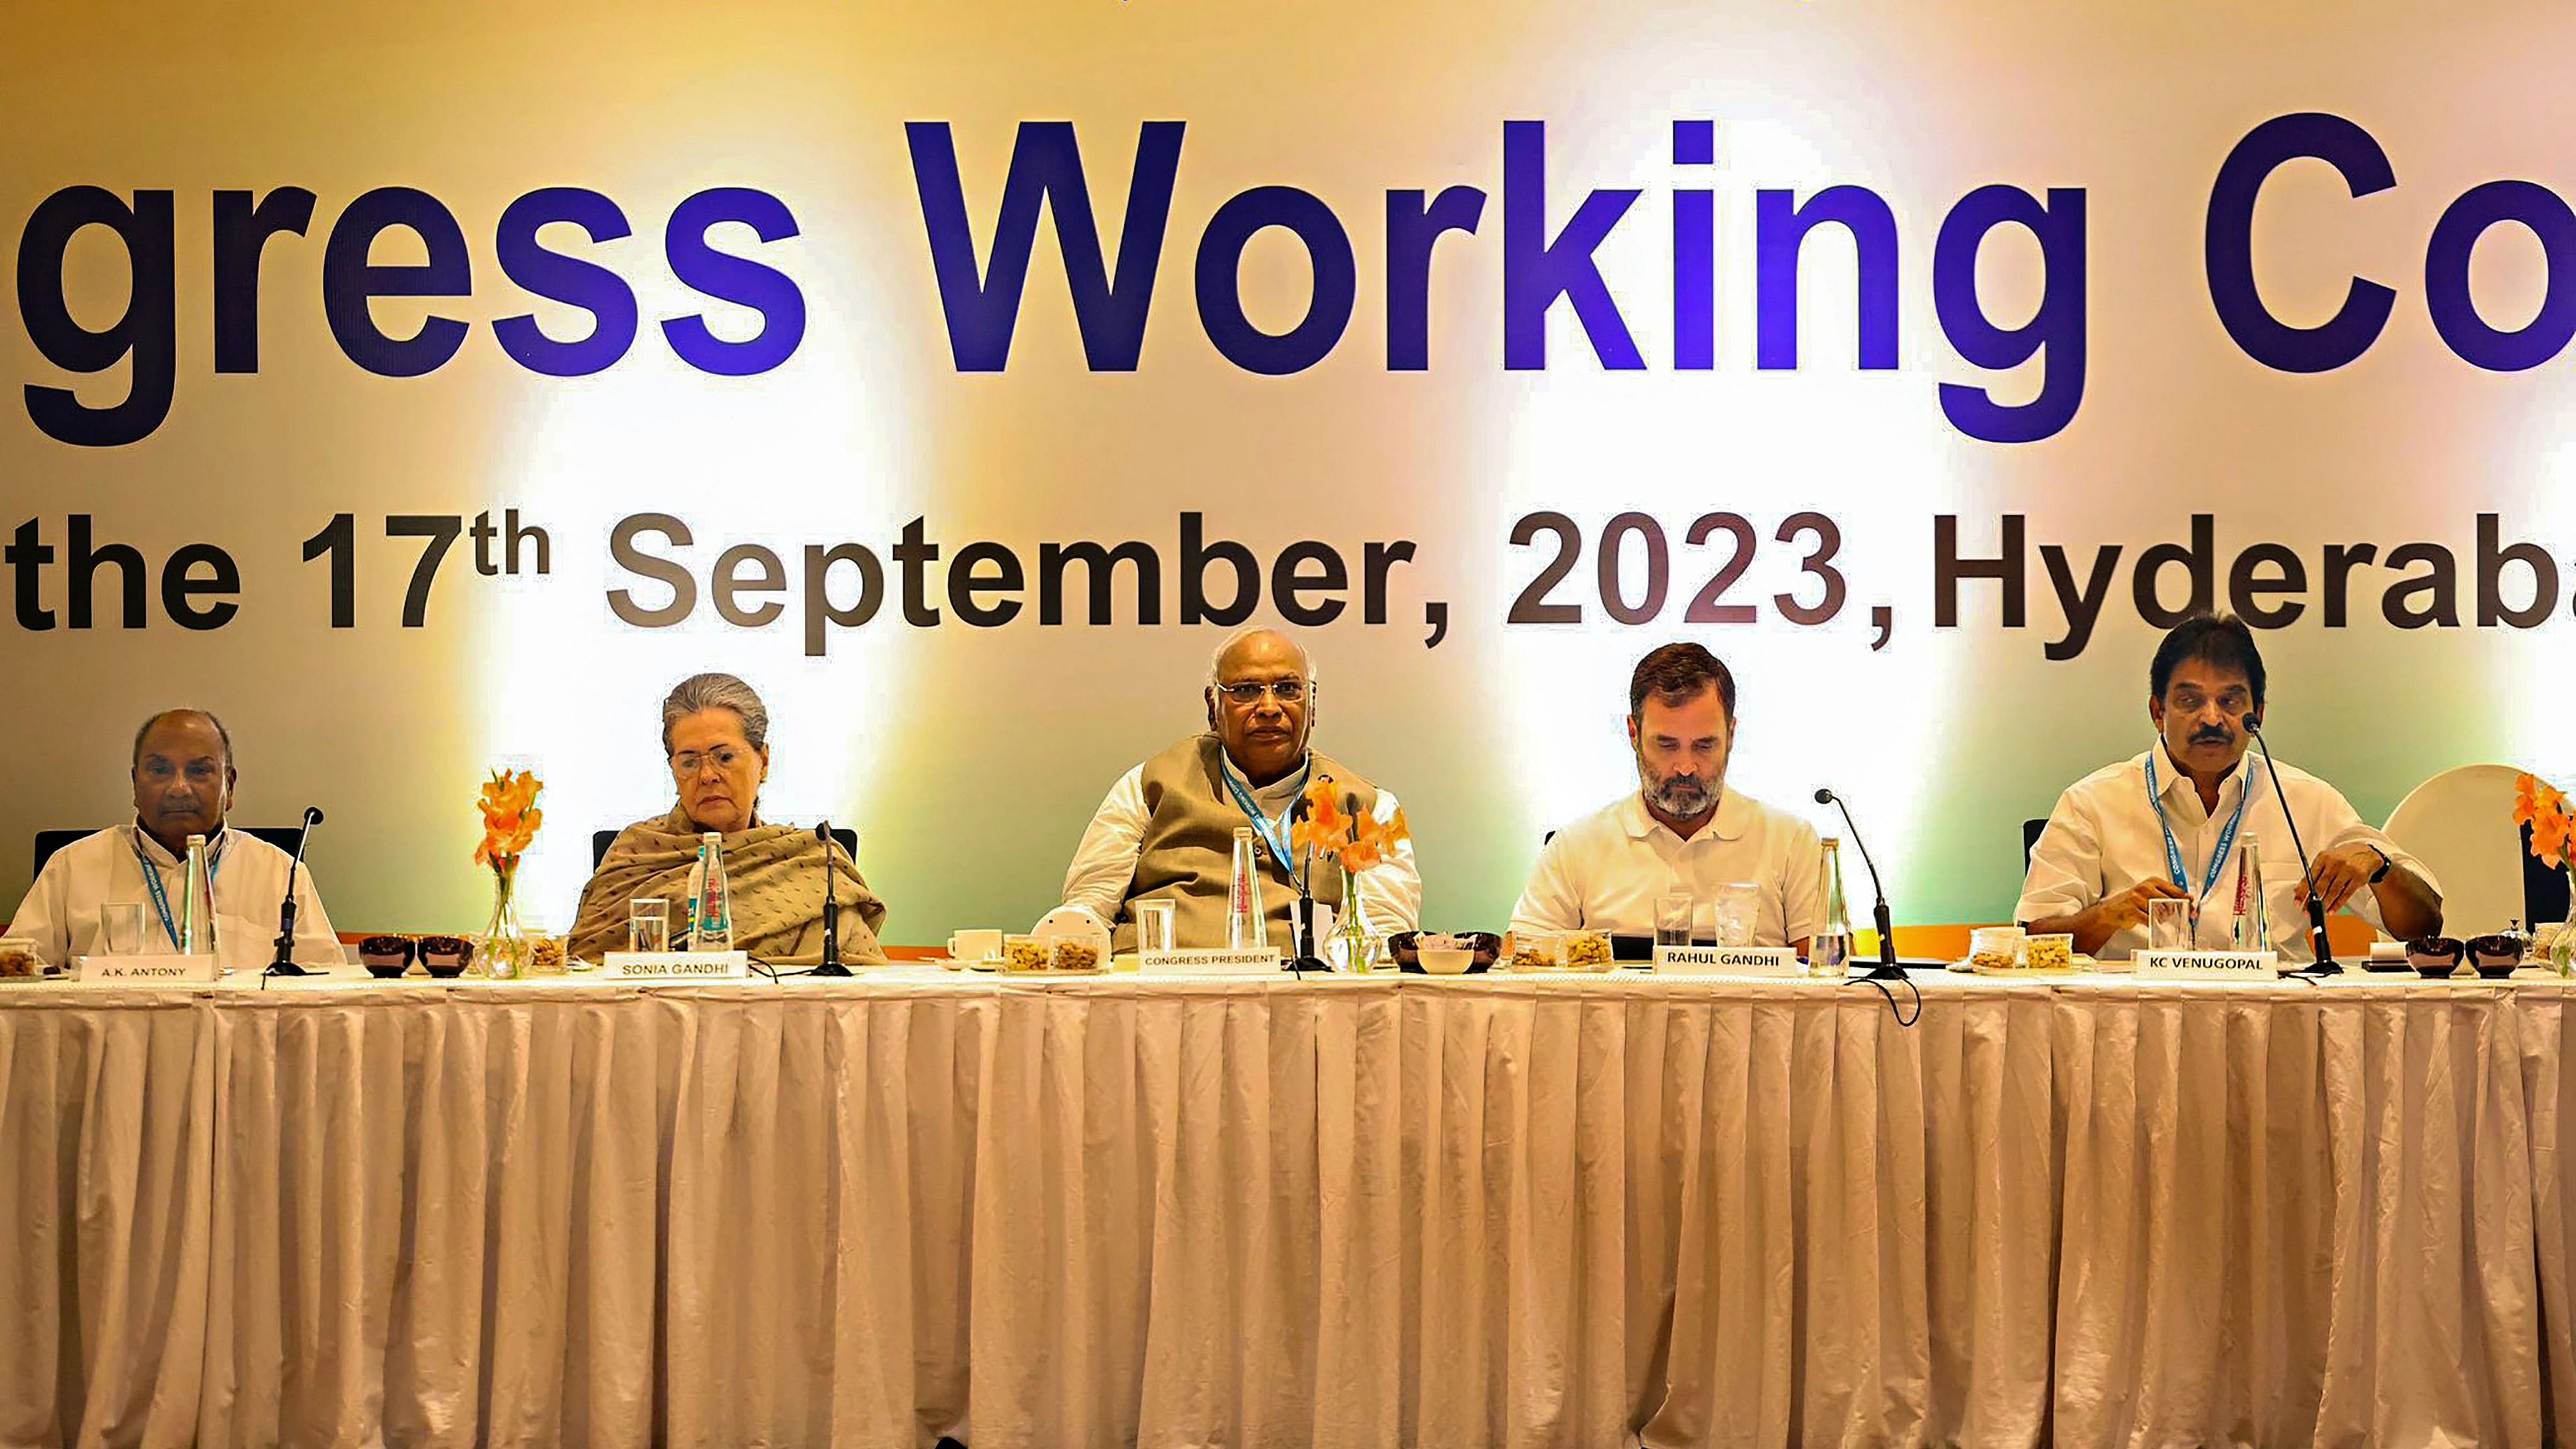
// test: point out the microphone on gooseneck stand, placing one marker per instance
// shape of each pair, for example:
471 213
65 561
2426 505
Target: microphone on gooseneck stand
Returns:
831 964
1886 969
2325 964
284 963
1306 959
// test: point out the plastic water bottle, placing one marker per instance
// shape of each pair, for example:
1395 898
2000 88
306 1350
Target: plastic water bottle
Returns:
197 928
711 924
1247 924
2253 913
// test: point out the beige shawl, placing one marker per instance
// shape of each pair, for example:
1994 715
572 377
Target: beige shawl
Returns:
770 872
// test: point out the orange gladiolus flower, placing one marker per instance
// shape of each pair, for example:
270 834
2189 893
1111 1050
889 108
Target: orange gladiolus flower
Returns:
510 818
2543 807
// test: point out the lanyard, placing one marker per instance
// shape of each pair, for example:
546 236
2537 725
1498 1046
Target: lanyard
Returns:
2226 838
1273 836
160 893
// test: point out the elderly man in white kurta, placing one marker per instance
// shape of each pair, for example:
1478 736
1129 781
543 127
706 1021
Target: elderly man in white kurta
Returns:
1682 830
183 786
1166 829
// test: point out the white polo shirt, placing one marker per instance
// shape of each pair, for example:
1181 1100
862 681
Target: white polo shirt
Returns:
2104 837
1604 871
61 911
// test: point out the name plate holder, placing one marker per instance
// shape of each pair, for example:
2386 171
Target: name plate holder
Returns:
148 970
1728 961
1216 961
671 966
2209 966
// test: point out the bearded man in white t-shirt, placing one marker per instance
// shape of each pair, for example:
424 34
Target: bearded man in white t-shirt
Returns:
1682 829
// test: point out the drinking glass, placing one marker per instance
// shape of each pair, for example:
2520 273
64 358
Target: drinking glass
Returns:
1739 908
1673 918
120 927
648 924
2169 924
1154 926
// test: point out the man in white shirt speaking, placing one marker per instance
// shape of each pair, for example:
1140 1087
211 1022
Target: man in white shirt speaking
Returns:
1682 830
183 786
1166 829
2170 823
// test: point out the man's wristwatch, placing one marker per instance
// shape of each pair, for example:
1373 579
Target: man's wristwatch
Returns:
2380 874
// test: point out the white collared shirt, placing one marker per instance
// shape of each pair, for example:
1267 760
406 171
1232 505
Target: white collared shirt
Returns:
1604 871
2104 838
1104 865
61 911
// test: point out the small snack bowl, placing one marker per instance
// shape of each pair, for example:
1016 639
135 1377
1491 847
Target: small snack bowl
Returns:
2054 952
2497 956
1996 948
1444 955
386 957
18 956
2435 958
1413 951
1072 953
548 955
1589 951
1027 953
1535 951
445 957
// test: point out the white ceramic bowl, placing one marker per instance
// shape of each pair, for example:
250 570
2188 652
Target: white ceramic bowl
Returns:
1450 962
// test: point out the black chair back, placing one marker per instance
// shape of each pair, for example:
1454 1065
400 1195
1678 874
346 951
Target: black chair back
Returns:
600 840
2030 833
49 841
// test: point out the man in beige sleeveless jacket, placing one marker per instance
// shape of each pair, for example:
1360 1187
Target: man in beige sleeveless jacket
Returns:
1166 830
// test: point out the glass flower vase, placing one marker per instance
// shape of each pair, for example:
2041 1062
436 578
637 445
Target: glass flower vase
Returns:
1355 949
501 951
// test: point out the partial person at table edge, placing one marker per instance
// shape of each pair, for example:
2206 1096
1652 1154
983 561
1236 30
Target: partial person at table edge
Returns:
1682 830
2166 823
715 740
1166 828
184 781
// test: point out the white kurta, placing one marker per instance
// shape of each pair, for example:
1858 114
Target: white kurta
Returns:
61 912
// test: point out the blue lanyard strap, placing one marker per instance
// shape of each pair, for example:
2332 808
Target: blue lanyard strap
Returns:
1274 837
160 893
2226 838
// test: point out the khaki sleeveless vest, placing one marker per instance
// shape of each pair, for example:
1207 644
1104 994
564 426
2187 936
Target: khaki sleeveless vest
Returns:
1186 854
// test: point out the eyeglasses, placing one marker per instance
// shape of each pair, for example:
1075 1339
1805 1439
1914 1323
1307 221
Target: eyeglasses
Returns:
1286 691
723 757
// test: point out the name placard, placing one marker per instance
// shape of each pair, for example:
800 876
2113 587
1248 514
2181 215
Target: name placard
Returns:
1256 961
1728 961
2209 966
148 970
675 966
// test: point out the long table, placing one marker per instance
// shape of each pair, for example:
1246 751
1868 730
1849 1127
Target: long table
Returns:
1355 1212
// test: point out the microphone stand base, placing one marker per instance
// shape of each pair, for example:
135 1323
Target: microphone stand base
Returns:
830 968
285 968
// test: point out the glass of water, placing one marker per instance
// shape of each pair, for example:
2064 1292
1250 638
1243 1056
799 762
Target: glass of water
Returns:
648 924
1739 911
1154 926
120 928
2169 924
1673 918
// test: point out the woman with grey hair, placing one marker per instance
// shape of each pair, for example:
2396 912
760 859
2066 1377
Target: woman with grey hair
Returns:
715 733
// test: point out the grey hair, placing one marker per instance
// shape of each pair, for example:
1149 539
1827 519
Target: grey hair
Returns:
1216 660
716 691
207 715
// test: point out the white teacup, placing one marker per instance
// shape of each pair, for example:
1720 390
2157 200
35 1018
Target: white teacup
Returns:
975 946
